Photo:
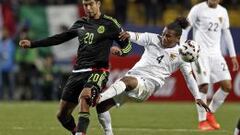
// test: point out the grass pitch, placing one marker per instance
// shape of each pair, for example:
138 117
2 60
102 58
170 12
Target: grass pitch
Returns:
165 118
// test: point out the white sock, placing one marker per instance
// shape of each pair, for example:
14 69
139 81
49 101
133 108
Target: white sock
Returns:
218 99
115 89
105 121
79 133
202 114
236 131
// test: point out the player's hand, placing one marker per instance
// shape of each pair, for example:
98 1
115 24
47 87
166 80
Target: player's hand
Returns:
235 64
116 51
202 104
25 43
124 35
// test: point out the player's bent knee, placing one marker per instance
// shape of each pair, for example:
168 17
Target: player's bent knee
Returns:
90 95
203 88
131 82
105 106
227 88
85 94
61 116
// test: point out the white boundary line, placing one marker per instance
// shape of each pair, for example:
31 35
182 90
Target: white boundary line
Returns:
166 130
138 129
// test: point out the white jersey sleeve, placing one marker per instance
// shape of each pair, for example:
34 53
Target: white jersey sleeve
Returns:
184 35
191 82
142 39
226 34
192 17
226 24
229 42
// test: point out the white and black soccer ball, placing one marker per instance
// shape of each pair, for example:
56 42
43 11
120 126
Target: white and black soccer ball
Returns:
189 51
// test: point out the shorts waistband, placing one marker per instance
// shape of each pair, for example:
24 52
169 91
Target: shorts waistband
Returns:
90 69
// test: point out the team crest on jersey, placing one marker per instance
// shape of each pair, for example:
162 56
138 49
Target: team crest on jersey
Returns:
220 19
101 29
172 56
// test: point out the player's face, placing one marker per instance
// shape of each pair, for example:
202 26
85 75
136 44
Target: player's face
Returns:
169 38
213 3
91 8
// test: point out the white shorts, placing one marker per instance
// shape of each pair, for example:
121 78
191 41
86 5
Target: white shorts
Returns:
210 69
143 91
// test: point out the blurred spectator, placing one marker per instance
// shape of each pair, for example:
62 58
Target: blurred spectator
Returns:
1 21
8 14
27 74
7 50
48 72
235 4
120 7
153 10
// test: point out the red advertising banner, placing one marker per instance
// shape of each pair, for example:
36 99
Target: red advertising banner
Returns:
175 88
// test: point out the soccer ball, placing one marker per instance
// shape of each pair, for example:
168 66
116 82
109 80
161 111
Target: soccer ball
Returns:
189 51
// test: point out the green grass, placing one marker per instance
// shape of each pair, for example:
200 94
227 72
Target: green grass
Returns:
166 118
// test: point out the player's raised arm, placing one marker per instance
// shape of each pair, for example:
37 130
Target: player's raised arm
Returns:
25 43
192 85
137 37
51 41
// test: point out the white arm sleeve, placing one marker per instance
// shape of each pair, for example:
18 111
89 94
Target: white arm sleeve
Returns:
229 42
226 34
192 17
184 35
191 82
142 39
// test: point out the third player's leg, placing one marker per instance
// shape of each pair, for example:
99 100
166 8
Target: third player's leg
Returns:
65 117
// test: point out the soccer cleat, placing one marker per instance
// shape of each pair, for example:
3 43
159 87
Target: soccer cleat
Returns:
212 121
205 126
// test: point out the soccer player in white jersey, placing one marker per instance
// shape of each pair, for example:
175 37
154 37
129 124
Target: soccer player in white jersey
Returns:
159 60
210 23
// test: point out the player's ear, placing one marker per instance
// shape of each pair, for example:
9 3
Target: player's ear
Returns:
99 3
177 39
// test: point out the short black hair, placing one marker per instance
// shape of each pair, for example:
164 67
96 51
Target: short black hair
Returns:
94 0
179 24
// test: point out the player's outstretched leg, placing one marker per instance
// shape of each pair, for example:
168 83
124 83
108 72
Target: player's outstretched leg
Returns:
84 114
203 124
115 89
104 115
217 100
65 117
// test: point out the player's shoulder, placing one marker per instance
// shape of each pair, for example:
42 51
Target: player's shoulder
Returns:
80 20
153 35
199 5
222 8
111 20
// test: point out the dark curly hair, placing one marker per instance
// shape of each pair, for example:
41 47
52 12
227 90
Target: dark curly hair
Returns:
179 24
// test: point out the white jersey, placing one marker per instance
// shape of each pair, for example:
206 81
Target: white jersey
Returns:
157 62
208 24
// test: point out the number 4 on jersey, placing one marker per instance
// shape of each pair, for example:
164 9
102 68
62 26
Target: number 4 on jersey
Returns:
159 59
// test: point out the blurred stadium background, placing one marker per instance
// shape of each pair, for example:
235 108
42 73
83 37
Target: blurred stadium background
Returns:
28 77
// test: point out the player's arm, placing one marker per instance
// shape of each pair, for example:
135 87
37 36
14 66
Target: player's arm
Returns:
192 17
229 42
52 40
49 41
142 39
125 45
192 85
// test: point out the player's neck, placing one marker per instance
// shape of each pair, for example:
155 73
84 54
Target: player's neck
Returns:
212 5
97 16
